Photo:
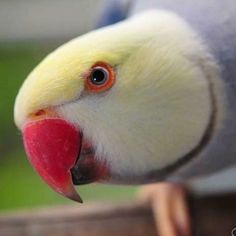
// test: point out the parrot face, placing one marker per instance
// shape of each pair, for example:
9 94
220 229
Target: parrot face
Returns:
121 104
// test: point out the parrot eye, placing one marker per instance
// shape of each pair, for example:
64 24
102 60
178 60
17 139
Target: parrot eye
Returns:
101 77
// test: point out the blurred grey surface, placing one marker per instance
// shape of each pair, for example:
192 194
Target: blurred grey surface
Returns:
31 20
224 180
41 20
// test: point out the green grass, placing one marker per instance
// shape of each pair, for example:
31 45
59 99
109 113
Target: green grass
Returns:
20 187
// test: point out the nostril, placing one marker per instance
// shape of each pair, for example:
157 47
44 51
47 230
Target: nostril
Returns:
43 113
40 113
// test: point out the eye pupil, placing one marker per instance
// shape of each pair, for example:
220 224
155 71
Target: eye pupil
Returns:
98 76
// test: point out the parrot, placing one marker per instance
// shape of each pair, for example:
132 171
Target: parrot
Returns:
148 97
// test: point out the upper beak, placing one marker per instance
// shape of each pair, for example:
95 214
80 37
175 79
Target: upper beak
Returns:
53 146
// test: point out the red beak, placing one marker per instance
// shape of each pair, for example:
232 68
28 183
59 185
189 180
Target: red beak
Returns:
53 146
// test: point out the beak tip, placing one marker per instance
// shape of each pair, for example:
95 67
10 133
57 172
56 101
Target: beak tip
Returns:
73 195
76 198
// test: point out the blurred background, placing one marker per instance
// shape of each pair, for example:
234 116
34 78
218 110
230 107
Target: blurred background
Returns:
29 30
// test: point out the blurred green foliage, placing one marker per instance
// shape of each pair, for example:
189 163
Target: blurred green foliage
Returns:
20 187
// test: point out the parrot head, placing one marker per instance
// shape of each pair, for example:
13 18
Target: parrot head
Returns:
121 104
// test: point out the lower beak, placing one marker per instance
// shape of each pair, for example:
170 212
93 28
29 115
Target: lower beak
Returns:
53 146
